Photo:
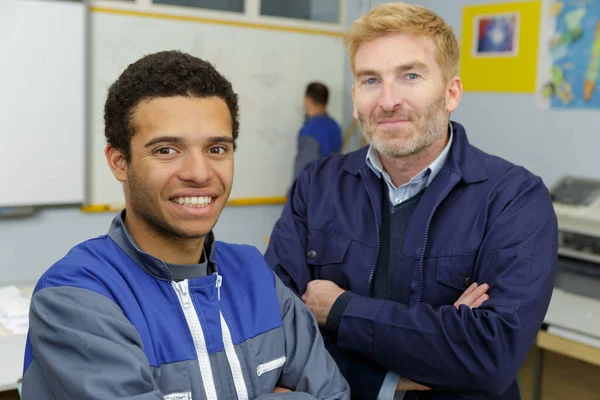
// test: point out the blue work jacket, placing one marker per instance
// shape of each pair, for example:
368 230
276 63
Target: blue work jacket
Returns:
481 219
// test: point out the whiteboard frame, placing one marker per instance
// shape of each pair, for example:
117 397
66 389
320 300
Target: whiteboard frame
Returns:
251 14
144 8
81 196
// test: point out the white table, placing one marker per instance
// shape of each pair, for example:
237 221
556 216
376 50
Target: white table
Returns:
12 350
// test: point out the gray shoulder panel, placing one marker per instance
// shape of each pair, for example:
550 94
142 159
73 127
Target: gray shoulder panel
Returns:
309 367
86 348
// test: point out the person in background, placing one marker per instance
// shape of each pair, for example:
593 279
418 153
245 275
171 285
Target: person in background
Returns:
381 242
157 308
320 135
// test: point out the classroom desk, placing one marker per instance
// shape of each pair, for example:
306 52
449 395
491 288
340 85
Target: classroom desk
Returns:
573 330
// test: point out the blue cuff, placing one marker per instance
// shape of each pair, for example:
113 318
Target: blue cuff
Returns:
388 388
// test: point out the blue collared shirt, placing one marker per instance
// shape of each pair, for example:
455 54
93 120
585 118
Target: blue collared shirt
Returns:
398 195
417 183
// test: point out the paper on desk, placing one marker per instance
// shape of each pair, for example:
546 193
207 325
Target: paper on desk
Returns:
15 307
14 310
8 292
15 325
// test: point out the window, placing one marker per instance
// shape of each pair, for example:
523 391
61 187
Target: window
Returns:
221 5
314 10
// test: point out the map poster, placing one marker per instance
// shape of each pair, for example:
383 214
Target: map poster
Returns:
569 55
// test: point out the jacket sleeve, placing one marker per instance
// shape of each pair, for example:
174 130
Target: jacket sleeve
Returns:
309 369
481 349
84 348
286 255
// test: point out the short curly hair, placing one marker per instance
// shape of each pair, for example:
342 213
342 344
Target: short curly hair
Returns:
162 74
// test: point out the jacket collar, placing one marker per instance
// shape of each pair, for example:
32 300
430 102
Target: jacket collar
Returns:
154 266
463 159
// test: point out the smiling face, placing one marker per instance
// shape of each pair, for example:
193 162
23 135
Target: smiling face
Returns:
181 169
400 95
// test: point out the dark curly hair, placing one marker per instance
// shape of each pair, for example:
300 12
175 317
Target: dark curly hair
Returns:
162 74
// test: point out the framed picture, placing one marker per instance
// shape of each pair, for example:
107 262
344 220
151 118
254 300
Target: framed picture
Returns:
496 35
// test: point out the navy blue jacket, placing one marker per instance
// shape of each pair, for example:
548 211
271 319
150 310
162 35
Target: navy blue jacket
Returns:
482 219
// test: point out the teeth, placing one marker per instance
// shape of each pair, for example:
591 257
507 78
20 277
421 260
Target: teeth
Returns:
193 201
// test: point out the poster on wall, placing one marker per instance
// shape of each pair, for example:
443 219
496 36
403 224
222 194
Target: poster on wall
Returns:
496 35
569 55
499 47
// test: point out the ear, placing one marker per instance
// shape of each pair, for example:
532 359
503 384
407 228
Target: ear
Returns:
354 111
453 94
116 162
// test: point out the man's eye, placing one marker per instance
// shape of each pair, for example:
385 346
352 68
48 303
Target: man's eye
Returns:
165 151
370 81
412 77
217 150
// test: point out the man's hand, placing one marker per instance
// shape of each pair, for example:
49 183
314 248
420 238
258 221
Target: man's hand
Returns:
406 384
319 298
474 296
279 389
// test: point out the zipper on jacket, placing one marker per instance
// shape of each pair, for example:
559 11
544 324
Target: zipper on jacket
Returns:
270 366
372 274
185 300
232 358
426 238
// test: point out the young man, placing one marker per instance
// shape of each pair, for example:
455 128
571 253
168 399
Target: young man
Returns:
157 309
380 242
320 135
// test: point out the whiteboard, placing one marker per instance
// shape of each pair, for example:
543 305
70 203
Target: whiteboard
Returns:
269 69
42 102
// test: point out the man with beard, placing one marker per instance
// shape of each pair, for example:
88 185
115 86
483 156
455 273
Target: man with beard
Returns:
379 243
157 309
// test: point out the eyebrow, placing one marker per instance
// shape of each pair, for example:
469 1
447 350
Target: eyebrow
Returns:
220 139
409 66
177 139
163 139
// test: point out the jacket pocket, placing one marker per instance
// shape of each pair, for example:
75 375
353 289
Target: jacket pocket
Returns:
446 278
270 365
326 253
455 271
267 350
179 396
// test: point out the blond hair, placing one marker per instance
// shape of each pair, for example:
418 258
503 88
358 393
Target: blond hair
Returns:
409 19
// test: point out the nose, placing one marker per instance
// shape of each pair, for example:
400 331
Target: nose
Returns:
196 168
390 97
